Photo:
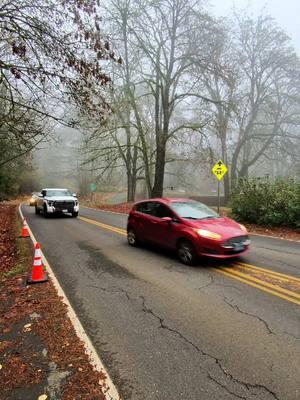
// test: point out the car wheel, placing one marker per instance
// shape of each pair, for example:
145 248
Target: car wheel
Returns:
131 237
46 215
186 252
37 211
74 214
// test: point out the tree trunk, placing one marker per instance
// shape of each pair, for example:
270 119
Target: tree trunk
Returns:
226 188
158 187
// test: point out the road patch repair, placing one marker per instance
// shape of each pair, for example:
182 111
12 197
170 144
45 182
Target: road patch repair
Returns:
44 351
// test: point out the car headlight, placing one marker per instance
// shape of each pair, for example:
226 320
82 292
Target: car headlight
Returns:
208 234
243 228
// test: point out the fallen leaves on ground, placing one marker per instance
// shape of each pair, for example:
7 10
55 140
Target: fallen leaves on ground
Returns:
7 237
36 335
122 208
282 232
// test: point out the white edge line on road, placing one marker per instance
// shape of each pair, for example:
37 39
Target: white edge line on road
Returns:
273 237
109 388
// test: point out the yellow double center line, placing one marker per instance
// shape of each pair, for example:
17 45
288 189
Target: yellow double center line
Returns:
120 231
269 281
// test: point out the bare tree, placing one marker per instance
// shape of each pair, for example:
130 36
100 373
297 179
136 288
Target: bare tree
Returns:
262 103
161 34
50 53
253 76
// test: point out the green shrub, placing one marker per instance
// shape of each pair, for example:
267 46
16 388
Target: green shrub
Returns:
265 202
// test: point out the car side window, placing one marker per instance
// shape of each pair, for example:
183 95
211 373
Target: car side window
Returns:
162 211
146 208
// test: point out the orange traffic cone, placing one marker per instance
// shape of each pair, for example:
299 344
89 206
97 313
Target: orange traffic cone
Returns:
38 274
25 232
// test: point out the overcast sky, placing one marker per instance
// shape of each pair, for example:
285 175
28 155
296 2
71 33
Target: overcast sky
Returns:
285 12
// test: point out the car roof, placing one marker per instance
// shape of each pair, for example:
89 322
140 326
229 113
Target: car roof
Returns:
167 200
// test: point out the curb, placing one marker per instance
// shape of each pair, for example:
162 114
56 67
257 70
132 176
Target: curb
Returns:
110 392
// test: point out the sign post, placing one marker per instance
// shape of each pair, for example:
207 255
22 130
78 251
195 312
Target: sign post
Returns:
219 170
93 189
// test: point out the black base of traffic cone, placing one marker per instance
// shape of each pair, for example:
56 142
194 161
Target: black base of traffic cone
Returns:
43 278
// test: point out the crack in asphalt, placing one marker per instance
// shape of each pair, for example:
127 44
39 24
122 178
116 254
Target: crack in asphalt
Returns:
114 289
207 284
213 282
245 385
236 308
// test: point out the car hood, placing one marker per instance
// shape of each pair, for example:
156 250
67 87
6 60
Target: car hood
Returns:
224 226
60 198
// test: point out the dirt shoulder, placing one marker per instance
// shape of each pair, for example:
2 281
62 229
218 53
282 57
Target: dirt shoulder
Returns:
40 355
277 232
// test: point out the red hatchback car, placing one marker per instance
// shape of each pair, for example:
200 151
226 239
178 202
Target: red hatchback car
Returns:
187 226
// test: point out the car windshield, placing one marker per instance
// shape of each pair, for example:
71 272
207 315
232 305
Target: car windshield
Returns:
193 210
51 193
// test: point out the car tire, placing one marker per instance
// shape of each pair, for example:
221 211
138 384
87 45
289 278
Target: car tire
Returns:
46 215
74 214
37 211
132 238
186 252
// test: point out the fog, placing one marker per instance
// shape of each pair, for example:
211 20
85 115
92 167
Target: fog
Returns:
191 83
285 13
57 163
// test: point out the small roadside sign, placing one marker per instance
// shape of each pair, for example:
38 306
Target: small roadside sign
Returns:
219 170
93 187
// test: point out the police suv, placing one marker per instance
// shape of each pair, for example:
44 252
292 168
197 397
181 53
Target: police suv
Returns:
56 201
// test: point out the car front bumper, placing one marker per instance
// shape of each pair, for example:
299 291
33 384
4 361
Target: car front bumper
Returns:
68 209
224 256
221 250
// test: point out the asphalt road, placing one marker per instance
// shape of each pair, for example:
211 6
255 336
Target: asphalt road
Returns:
168 332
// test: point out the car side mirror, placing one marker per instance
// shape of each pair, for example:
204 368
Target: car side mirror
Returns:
167 219
74 194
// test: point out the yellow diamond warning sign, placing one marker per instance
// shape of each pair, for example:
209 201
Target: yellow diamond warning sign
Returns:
219 170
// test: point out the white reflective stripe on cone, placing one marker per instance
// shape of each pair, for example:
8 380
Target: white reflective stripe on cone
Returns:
37 253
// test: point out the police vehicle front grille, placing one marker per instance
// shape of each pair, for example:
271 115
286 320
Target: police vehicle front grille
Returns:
63 205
